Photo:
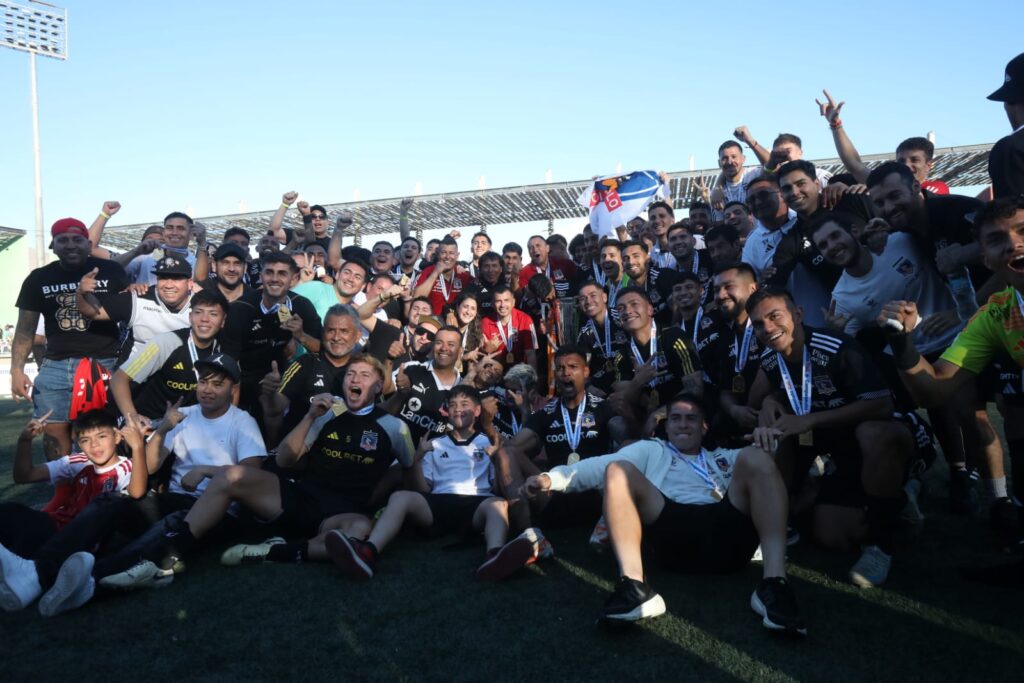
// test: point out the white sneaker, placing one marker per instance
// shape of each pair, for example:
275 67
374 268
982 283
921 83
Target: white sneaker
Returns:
73 588
145 574
251 553
19 582
542 546
872 569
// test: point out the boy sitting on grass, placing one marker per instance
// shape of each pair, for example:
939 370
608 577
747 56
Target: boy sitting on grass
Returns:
95 470
454 493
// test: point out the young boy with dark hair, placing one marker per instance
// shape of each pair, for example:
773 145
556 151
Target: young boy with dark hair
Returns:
97 469
454 481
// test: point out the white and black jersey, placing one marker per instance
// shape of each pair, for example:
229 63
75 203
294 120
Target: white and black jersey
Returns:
145 315
427 395
842 372
659 289
600 341
550 426
460 467
719 345
164 371
676 358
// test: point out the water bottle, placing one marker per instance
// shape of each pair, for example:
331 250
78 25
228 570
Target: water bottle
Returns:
963 294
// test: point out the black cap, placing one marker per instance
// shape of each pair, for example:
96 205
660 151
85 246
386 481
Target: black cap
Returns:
172 266
221 362
1013 85
230 249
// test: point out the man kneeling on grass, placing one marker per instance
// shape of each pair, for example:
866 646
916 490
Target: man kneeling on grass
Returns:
704 511
453 480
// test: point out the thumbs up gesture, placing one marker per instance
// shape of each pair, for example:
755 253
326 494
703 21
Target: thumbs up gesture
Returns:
271 381
88 283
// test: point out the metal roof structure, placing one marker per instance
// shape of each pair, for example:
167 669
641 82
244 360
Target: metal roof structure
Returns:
9 236
956 166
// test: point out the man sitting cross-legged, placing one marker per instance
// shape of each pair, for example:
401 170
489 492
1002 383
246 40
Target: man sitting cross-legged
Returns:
703 511
454 481
347 445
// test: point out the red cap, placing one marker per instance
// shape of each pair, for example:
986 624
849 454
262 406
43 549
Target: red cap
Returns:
71 225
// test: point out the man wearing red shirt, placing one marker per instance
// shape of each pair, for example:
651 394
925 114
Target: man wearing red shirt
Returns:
561 272
443 282
513 328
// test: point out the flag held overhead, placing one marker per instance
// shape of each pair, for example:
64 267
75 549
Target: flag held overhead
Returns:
616 200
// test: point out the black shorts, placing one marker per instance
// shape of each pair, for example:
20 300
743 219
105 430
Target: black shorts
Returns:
712 538
571 510
1002 378
305 506
843 486
453 512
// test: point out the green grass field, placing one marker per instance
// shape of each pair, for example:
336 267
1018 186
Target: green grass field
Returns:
424 618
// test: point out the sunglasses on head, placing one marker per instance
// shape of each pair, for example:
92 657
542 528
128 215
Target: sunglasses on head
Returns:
424 332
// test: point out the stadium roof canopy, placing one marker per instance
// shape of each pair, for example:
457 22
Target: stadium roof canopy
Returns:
957 166
9 236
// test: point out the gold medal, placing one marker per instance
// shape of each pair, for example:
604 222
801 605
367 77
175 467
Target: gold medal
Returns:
716 494
574 458
739 384
807 439
338 408
283 314
510 358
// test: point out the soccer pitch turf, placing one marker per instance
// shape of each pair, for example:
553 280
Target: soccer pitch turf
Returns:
424 618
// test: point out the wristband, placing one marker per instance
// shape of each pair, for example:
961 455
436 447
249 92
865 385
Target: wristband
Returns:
285 206
903 351
835 125
105 215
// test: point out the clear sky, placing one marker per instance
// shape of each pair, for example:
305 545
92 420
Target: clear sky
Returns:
222 106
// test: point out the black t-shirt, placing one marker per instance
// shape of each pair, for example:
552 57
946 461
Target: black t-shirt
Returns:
422 407
594 338
549 425
484 295
350 453
174 379
951 221
50 291
659 288
677 357
701 266
256 338
796 246
307 376
842 372
210 285
718 345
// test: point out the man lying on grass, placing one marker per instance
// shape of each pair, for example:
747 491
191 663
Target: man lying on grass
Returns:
704 511
453 479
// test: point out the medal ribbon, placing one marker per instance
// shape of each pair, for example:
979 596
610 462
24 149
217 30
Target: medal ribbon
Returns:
573 432
801 404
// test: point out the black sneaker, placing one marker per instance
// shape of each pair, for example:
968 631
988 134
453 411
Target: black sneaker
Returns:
962 498
632 601
775 602
358 559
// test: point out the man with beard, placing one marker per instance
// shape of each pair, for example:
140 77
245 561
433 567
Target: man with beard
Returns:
729 351
599 336
512 255
349 281
795 253
443 282
515 329
164 308
268 325
240 237
730 161
832 387
656 283
723 244
285 395
589 267
230 263
164 368
422 388
408 259
614 275
774 219
49 291
489 275
561 272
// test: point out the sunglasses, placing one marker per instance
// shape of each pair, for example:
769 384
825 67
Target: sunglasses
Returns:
319 216
424 332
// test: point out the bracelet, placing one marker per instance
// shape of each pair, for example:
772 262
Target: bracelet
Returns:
285 206
105 215
835 125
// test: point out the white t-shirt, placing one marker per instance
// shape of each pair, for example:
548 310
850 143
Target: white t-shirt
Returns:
684 485
461 467
198 441
759 248
900 273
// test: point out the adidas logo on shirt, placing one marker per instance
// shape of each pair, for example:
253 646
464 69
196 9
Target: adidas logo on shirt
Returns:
179 366
333 435
318 383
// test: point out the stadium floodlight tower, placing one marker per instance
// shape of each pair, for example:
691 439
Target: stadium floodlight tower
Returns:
39 28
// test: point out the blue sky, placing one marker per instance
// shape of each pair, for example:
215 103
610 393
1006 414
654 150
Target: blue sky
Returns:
206 105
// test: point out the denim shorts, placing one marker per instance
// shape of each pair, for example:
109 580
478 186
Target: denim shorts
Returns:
53 387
